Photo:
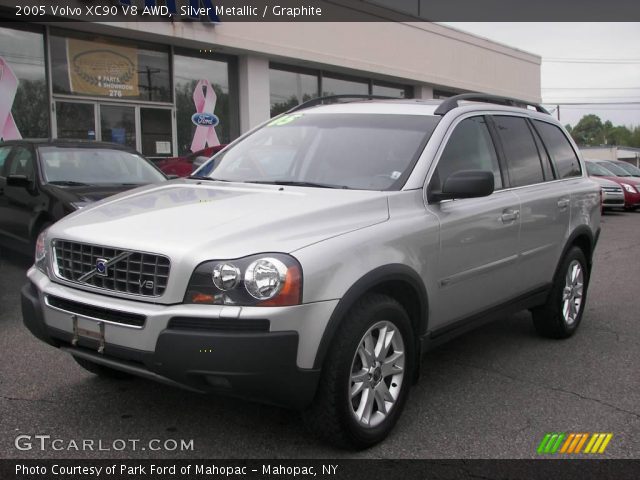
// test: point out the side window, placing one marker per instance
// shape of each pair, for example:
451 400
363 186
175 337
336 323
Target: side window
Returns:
562 154
469 148
22 163
520 151
4 153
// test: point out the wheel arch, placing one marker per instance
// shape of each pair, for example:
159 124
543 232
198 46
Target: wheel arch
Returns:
396 280
583 238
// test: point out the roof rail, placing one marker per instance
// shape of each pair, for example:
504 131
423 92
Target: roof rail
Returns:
452 102
327 99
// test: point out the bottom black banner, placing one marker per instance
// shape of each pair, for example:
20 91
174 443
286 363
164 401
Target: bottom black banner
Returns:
323 469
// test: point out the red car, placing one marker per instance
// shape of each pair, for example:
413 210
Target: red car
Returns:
185 166
630 185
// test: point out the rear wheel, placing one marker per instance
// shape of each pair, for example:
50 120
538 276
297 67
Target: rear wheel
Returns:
101 370
562 313
366 377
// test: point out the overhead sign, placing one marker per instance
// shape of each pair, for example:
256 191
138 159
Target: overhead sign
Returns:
102 69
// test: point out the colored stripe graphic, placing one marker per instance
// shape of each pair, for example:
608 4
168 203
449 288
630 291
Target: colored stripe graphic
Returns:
572 443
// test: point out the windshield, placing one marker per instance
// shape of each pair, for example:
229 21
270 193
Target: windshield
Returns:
96 166
367 152
630 169
612 167
597 170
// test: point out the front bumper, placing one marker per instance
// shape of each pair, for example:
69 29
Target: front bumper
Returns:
203 348
612 200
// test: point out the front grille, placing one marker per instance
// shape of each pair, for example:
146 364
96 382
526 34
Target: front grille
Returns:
219 324
612 189
126 271
82 309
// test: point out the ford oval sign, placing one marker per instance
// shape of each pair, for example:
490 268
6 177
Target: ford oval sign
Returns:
205 119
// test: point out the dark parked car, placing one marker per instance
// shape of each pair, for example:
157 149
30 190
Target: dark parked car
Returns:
186 165
41 181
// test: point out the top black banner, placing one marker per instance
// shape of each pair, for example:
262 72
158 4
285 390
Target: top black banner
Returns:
220 11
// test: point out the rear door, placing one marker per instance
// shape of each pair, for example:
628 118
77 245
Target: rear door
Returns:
545 202
478 236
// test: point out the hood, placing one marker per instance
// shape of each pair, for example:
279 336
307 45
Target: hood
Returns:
89 193
604 182
620 180
213 220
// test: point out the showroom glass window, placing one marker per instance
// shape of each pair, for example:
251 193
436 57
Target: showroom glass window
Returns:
189 70
335 85
89 66
289 88
23 52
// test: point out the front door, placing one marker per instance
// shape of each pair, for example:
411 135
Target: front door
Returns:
477 265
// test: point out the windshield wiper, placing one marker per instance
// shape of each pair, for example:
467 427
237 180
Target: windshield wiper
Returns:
294 183
69 183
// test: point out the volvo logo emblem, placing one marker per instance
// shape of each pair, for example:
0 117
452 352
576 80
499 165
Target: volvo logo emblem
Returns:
102 267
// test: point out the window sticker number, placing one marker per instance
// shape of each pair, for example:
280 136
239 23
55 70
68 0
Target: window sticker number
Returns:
284 120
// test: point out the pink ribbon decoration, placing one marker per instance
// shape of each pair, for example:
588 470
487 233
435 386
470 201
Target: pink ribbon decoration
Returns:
8 89
205 102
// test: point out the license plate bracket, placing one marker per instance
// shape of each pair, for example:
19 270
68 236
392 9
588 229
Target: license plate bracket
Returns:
83 332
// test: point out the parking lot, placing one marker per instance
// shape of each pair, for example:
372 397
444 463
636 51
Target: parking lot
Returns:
492 393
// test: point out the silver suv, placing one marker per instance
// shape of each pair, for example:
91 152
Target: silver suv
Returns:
313 261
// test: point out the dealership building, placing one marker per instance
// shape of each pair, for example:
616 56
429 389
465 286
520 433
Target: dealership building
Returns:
142 83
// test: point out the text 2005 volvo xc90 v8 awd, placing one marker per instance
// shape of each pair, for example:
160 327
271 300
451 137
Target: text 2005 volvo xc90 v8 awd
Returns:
313 261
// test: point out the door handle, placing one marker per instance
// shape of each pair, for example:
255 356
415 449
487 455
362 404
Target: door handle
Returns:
510 215
563 203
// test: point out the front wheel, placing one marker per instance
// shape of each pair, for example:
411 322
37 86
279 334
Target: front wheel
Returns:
367 375
562 313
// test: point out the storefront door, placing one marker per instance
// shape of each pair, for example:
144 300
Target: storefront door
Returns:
149 130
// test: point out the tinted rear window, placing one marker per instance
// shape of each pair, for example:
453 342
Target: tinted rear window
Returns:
520 150
562 154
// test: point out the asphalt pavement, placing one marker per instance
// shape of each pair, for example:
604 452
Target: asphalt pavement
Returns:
492 393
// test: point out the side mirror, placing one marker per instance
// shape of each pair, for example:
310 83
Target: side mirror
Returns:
21 181
464 184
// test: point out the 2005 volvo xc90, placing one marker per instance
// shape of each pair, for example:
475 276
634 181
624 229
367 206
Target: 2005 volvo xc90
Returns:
315 259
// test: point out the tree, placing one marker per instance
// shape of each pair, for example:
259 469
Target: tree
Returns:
589 131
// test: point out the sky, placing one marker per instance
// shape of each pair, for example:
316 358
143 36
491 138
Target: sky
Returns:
591 63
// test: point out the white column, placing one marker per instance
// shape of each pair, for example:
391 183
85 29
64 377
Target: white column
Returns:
253 79
424 92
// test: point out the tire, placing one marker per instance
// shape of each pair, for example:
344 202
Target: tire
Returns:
101 370
560 316
350 421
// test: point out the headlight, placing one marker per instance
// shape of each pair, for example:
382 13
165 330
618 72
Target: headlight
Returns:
266 280
41 252
628 188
